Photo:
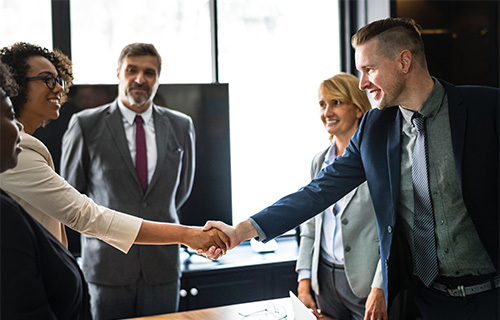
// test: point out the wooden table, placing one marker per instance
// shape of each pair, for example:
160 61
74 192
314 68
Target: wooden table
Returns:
232 312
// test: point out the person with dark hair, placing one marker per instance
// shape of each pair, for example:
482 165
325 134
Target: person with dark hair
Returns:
44 78
40 279
137 157
10 127
430 155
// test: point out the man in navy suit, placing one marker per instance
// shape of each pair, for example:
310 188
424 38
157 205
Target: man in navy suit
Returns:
463 173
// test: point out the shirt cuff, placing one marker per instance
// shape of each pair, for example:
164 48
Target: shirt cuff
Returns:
261 235
123 232
304 274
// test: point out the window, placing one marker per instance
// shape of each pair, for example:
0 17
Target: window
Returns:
26 21
180 31
274 55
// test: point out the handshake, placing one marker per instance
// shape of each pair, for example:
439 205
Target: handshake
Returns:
216 237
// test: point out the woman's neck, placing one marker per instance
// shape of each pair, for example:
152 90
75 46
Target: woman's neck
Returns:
342 141
30 126
340 146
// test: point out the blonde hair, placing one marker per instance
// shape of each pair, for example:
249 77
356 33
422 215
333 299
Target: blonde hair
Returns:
345 87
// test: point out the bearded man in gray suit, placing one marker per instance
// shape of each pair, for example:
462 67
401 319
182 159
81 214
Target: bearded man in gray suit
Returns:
102 156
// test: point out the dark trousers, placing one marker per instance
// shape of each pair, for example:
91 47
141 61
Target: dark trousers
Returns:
437 305
139 299
336 298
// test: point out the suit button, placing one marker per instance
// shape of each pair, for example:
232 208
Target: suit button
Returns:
347 249
389 229
144 204
345 221
386 262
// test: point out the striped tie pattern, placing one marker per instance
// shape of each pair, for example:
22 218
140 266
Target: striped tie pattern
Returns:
424 244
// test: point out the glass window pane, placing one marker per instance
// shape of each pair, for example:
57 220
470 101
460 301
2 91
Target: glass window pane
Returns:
274 54
36 24
180 31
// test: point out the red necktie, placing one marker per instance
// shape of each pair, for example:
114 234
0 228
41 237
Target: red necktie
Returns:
141 156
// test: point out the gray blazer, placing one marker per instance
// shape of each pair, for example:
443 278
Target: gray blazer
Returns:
359 237
96 160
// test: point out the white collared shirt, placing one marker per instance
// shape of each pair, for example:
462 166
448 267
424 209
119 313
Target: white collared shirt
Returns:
149 130
332 248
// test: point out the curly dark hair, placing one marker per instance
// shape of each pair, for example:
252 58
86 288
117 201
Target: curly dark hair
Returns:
16 56
7 83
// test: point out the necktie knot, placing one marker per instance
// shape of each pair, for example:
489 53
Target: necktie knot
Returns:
138 120
418 121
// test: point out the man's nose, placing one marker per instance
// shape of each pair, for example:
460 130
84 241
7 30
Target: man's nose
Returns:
140 79
363 81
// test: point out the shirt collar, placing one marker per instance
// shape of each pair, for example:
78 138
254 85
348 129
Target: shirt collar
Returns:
431 106
129 115
330 154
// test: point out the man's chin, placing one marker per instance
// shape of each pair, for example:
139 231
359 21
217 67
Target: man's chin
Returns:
138 105
139 100
381 104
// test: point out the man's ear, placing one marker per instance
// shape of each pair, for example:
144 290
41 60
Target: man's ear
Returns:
405 60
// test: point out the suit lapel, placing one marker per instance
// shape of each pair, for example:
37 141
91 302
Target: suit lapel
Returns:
114 120
162 133
394 158
348 198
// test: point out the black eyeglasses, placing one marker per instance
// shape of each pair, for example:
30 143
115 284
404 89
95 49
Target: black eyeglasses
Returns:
50 81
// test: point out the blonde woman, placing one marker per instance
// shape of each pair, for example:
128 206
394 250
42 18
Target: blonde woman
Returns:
338 255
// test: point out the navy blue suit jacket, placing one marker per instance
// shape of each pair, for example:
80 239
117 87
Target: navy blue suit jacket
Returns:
374 154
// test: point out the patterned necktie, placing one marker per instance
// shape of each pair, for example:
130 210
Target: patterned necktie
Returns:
424 244
141 156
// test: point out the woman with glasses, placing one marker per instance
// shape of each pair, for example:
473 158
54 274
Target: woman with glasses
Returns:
44 78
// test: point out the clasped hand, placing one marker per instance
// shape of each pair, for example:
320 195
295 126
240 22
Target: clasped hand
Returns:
207 240
228 233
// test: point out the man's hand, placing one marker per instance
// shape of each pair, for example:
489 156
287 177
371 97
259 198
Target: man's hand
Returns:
304 294
230 232
375 308
202 240
243 231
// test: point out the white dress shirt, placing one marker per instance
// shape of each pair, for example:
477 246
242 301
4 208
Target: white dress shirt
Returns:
149 130
332 248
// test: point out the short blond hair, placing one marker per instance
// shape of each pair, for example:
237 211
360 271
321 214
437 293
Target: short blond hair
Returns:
394 35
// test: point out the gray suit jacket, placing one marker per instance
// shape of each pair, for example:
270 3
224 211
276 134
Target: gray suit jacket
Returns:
96 160
359 237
